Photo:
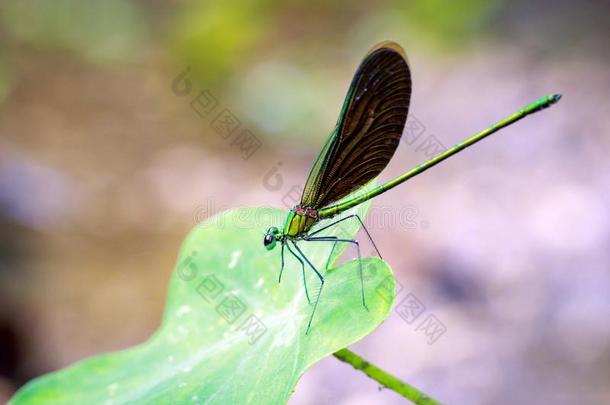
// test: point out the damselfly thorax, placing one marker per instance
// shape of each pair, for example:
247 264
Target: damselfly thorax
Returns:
367 134
299 221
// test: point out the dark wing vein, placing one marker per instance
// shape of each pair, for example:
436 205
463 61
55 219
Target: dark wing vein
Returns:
368 130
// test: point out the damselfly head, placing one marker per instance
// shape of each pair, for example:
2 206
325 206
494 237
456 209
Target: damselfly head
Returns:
271 237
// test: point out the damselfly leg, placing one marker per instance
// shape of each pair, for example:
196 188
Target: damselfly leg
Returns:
315 306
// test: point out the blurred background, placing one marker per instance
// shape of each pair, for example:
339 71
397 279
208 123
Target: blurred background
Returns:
124 123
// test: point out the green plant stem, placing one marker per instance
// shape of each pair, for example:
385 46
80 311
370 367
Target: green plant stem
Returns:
385 379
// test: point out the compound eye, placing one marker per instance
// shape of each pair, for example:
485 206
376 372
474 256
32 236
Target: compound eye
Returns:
269 241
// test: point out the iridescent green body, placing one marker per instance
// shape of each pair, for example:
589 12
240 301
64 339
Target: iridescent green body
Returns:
364 140
542 103
297 225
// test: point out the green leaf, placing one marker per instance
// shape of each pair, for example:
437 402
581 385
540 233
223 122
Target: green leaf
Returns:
206 353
